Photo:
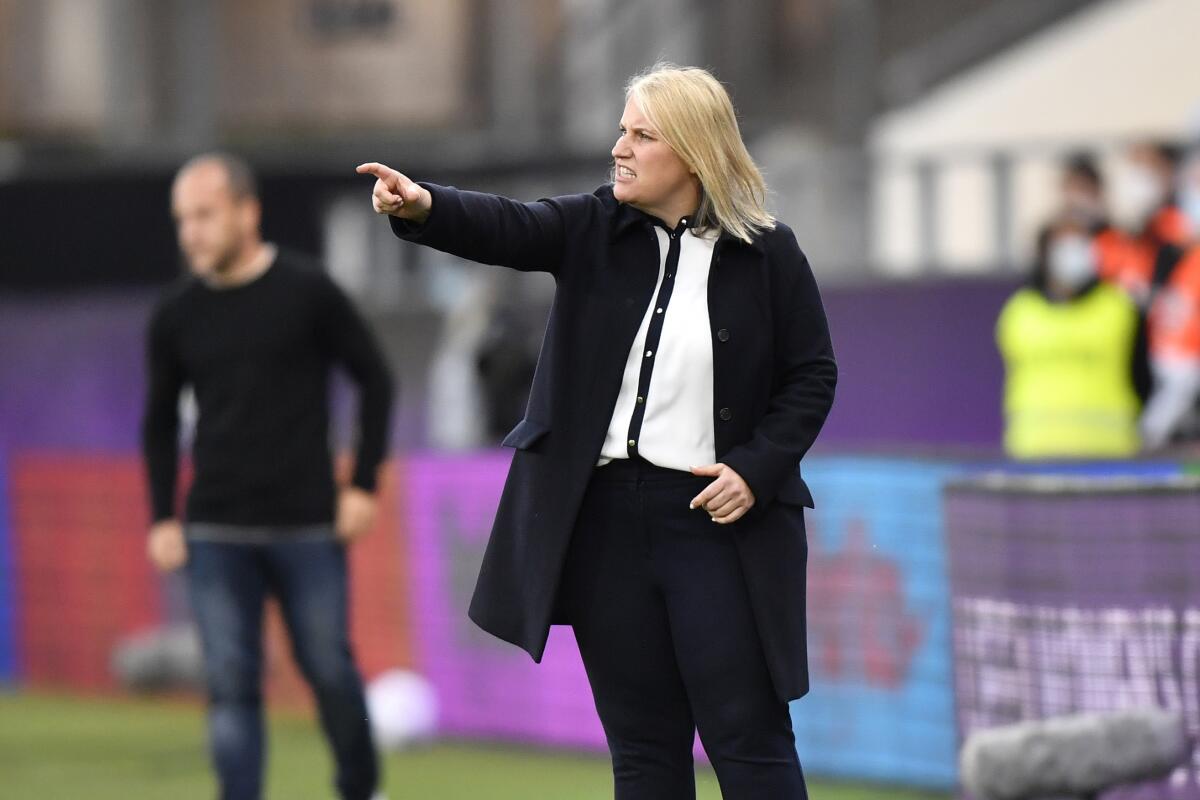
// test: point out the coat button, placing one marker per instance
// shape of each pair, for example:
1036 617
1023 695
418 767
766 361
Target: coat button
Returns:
723 335
725 414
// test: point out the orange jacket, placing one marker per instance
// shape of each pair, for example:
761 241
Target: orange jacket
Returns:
1129 261
1174 321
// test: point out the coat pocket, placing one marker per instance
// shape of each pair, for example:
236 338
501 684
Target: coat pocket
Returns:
526 434
794 491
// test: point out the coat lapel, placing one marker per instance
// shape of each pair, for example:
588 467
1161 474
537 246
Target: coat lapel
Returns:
622 290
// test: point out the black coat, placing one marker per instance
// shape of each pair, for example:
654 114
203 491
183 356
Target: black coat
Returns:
773 375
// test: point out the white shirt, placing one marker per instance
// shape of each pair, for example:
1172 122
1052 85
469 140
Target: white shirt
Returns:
677 429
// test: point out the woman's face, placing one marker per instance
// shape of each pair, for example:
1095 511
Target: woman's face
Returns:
647 173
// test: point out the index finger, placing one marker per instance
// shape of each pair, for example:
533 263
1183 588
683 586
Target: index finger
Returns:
709 492
381 171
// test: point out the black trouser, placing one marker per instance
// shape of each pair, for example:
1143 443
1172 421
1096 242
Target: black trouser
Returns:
661 613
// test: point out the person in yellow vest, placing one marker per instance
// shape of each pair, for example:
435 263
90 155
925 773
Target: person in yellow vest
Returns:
1068 340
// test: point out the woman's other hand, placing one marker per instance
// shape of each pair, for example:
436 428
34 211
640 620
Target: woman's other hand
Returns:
727 498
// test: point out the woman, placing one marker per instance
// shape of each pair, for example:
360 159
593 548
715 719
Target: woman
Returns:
685 371
1069 342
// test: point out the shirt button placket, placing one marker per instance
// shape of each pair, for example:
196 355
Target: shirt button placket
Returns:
653 333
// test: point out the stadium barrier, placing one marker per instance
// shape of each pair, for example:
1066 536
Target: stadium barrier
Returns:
1077 593
881 707
907 637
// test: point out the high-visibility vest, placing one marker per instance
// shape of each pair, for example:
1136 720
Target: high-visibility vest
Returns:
1068 385
1132 261
1174 323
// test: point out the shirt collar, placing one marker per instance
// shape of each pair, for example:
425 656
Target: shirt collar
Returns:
627 216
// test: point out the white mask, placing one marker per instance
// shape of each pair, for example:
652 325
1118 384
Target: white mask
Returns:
1189 204
1071 261
1141 192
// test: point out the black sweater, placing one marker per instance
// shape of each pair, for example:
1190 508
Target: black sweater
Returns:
259 357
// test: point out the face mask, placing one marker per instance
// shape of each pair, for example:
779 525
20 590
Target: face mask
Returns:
1071 262
1142 192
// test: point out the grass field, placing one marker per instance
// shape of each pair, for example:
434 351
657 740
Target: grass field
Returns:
64 748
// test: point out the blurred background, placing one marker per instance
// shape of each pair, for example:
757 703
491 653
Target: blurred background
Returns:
999 198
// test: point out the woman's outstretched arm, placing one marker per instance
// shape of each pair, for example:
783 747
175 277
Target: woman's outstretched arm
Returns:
481 227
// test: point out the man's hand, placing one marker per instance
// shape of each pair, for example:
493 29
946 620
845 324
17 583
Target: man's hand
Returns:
396 195
355 513
166 546
727 498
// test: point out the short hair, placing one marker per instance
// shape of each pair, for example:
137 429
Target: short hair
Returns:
242 182
695 117
1083 165
1166 153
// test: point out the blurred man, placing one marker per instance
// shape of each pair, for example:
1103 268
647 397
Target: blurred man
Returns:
1156 227
1174 326
255 333
1150 192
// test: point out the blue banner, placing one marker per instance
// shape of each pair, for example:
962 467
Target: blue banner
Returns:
882 702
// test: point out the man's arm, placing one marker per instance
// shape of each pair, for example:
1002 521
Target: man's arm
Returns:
351 343
160 420
160 445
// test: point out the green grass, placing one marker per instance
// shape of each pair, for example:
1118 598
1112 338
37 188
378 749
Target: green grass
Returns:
62 748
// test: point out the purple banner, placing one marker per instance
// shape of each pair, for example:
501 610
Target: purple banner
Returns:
926 349
486 687
1077 595
72 372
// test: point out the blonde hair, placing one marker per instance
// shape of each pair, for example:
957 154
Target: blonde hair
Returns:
693 114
